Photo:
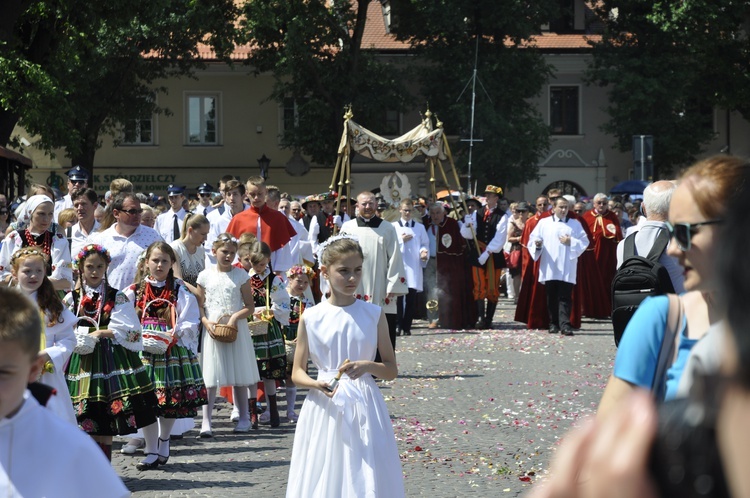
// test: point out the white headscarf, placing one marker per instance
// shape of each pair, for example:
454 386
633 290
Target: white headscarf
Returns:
32 203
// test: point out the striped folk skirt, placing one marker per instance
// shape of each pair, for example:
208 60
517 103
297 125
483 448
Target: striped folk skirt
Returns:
270 352
178 382
111 390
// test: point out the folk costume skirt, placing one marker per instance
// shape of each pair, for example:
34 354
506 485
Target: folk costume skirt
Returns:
111 391
270 352
178 382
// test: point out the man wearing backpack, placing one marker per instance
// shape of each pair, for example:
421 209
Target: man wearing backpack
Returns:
643 266
656 198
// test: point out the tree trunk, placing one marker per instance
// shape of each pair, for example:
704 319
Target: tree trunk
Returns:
8 120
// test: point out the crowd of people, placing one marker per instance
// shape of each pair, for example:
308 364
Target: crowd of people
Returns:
153 307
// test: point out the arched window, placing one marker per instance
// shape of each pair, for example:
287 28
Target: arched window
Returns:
567 188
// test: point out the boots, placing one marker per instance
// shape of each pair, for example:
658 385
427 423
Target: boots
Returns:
253 413
490 314
275 422
480 315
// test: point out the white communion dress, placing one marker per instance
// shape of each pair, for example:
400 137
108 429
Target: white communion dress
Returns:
344 446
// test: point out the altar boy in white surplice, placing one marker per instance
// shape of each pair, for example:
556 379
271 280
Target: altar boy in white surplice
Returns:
558 240
414 245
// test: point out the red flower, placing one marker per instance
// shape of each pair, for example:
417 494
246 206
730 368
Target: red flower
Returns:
190 393
403 280
161 395
358 296
176 397
367 298
116 407
88 425
387 301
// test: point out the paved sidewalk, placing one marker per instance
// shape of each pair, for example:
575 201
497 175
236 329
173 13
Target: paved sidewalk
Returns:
475 413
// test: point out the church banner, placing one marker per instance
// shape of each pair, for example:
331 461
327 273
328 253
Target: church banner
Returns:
418 142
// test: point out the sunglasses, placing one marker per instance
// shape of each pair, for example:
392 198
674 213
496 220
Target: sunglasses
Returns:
77 182
3 211
205 195
683 232
131 211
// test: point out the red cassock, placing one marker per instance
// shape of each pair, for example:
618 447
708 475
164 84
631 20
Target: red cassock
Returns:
532 300
275 229
599 263
456 307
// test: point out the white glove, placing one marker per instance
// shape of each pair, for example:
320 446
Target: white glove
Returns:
483 257
337 220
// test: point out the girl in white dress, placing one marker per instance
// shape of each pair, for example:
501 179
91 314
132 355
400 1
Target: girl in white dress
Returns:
28 267
224 291
344 444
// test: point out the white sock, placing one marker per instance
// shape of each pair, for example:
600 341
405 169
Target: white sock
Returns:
241 403
151 436
208 410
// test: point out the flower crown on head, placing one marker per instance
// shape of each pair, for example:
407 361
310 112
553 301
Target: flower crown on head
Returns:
25 252
300 270
322 248
87 251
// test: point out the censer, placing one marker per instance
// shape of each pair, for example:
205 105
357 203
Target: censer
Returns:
432 305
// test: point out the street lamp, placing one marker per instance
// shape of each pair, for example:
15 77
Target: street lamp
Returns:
263 164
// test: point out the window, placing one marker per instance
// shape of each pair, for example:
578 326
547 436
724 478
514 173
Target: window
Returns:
138 132
289 117
202 120
564 110
391 123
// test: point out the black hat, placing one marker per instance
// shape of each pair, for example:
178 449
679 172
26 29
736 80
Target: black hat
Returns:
522 206
205 188
78 173
175 190
475 201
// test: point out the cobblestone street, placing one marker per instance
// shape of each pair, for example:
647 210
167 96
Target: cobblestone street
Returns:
475 413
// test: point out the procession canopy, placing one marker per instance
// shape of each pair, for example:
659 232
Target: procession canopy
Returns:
419 141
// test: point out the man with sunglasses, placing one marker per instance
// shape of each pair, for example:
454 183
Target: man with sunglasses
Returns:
205 191
125 240
605 230
78 179
655 206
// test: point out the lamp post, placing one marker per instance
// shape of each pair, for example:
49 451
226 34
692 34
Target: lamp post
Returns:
263 164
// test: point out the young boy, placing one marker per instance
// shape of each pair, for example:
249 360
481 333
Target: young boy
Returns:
40 453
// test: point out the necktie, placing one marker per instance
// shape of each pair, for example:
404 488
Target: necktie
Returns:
205 211
176 228
487 215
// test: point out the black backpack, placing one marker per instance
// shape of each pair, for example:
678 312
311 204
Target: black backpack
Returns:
636 279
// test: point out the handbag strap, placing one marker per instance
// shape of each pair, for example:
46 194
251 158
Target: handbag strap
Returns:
675 317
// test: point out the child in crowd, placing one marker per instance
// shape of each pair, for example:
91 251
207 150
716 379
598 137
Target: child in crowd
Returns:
40 454
225 296
298 281
344 444
269 294
176 374
28 266
111 390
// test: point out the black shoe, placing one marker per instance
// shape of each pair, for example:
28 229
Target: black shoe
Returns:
554 329
162 459
148 466
176 437
567 332
398 331
407 332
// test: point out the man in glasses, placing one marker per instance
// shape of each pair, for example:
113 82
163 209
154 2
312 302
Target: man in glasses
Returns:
78 179
605 230
125 240
169 224
656 198
205 191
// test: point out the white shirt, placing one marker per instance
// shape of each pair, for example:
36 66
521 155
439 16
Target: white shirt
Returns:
558 261
78 237
64 202
645 238
411 249
219 220
124 252
42 455
165 224
300 245
204 210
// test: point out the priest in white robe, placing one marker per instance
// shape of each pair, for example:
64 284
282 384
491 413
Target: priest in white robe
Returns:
558 240
414 245
383 277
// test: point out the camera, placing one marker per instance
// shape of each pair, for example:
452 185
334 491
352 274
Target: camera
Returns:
685 460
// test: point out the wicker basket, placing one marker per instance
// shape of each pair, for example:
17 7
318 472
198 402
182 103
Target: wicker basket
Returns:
155 341
291 348
85 343
223 332
257 327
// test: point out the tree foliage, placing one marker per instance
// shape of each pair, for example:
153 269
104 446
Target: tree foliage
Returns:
72 70
668 65
315 52
511 71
